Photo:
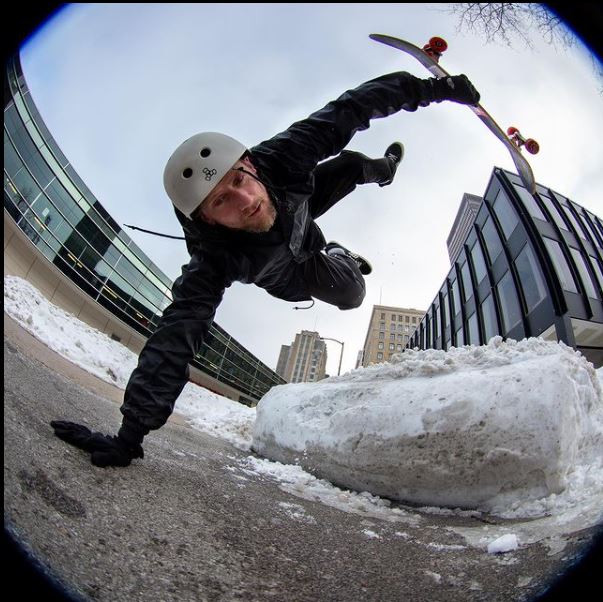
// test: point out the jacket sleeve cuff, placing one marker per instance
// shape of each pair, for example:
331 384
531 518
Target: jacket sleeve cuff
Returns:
131 432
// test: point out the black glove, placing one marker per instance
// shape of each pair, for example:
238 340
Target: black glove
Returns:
457 88
105 450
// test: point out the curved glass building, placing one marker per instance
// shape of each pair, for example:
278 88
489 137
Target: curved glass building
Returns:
531 265
54 209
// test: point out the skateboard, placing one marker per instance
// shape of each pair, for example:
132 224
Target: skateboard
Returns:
429 57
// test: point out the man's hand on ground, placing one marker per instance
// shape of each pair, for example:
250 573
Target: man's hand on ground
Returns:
105 450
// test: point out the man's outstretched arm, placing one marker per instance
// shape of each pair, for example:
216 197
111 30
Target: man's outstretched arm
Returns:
162 370
326 132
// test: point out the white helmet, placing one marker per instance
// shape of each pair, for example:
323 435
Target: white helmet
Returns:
196 166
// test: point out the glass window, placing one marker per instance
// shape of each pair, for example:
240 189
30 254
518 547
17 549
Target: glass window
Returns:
584 274
381 336
12 161
380 356
534 288
64 203
26 186
561 266
392 347
437 323
459 337
592 225
414 319
505 213
445 311
597 269
574 221
509 304
456 299
489 318
530 203
558 219
473 329
479 264
34 161
383 316
380 346
381 325
493 244
466 277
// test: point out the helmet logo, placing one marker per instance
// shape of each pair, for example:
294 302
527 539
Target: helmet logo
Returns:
209 173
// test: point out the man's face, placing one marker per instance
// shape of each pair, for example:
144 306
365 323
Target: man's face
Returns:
239 202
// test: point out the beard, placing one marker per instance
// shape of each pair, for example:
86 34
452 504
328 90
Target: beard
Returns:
264 220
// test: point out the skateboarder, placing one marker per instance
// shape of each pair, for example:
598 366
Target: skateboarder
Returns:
248 215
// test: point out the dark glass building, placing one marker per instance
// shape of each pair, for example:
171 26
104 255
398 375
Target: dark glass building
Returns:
54 208
531 265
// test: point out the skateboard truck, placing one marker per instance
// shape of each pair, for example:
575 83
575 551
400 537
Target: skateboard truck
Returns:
435 47
515 135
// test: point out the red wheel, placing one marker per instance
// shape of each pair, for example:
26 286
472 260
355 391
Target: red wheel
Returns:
511 131
532 146
438 44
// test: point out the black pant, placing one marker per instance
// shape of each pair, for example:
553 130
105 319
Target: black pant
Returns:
336 279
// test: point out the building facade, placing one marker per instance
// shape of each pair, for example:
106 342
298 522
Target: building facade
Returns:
531 265
305 360
389 331
463 222
59 236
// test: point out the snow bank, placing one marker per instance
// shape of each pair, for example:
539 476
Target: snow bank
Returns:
475 427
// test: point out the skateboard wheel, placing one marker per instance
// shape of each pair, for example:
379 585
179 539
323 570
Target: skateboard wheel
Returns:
511 131
532 146
438 44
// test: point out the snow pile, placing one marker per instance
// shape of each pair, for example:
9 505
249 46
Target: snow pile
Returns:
488 427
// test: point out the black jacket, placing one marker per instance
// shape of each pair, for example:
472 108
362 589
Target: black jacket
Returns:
220 256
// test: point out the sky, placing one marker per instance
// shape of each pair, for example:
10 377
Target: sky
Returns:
557 439
120 86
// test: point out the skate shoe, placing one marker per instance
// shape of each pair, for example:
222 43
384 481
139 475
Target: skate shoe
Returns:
334 248
394 152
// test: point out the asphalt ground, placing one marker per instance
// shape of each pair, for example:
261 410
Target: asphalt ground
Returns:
187 523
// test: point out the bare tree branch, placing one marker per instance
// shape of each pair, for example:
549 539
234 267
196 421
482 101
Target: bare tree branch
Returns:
505 21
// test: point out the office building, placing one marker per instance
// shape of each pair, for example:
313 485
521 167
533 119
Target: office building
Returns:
462 224
530 266
305 360
389 331
60 238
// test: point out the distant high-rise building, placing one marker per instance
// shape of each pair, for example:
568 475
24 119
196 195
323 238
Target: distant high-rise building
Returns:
389 331
305 360
463 221
359 359
283 357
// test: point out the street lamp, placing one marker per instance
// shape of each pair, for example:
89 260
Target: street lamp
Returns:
340 355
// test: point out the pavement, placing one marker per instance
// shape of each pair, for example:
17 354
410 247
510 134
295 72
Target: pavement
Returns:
187 523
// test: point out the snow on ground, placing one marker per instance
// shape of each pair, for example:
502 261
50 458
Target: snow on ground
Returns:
576 478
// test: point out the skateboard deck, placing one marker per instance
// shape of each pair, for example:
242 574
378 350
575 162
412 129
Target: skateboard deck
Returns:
429 59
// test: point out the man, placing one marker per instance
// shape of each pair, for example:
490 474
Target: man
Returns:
249 216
